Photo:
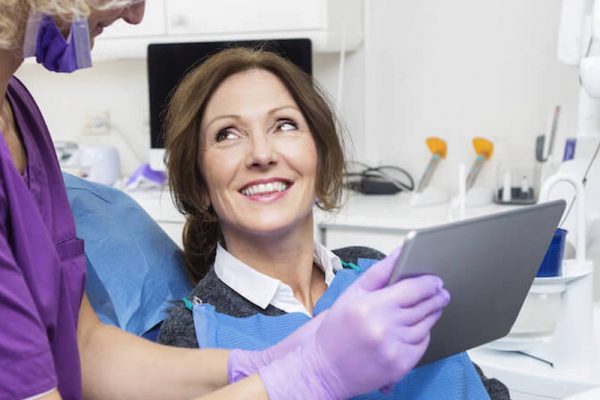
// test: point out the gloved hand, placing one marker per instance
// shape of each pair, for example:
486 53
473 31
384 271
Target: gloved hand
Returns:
244 363
371 337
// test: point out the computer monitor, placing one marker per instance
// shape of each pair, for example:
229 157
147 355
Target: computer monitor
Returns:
169 62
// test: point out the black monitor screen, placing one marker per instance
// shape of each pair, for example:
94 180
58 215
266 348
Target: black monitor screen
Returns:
168 63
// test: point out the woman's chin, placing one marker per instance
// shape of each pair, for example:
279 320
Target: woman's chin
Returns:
269 229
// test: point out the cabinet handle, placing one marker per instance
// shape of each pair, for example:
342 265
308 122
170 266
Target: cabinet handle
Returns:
179 20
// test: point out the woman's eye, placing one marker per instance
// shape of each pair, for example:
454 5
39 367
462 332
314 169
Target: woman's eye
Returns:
286 125
225 134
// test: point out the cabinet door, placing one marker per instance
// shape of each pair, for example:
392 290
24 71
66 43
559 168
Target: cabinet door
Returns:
174 230
153 24
189 17
384 240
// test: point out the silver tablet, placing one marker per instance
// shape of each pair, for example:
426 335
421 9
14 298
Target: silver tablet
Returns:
487 264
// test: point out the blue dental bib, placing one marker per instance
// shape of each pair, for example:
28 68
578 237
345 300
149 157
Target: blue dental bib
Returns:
451 378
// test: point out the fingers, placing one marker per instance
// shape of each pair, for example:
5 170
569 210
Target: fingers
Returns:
417 333
415 314
409 309
379 274
410 291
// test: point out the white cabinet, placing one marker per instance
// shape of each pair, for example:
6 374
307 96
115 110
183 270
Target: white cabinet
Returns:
382 222
153 24
334 236
159 205
330 24
201 17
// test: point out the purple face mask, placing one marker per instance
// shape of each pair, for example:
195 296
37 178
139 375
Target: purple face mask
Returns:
44 40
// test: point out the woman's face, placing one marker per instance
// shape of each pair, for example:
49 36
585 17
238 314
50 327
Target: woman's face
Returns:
257 156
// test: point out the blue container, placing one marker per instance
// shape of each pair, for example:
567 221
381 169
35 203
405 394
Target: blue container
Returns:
552 262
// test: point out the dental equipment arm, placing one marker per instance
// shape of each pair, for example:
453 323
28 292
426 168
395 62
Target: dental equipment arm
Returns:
578 45
572 33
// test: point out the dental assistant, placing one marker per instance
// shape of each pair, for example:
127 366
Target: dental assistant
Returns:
53 346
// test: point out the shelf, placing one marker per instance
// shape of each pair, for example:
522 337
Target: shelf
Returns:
158 204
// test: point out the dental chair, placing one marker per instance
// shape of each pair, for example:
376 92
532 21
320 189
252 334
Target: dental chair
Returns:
134 270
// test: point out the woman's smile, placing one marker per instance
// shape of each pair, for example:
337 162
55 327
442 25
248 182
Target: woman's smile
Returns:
266 190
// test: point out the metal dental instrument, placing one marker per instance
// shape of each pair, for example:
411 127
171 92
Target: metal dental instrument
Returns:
484 149
540 141
438 150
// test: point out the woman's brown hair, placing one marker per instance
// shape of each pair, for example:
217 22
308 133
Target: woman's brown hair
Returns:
182 129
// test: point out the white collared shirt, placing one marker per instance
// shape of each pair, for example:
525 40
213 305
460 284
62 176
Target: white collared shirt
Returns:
261 289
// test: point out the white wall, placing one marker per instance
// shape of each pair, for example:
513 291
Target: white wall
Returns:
351 106
454 69
459 69
119 87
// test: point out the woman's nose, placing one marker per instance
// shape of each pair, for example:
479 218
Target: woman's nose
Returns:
262 152
134 13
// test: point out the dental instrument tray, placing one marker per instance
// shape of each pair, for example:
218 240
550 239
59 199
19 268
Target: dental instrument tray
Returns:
487 264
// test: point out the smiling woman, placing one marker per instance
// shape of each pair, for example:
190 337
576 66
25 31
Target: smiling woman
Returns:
252 145
240 128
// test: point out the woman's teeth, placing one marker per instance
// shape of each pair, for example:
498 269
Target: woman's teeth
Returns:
264 188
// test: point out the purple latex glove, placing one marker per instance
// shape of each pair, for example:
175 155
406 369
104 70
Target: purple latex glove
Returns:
371 337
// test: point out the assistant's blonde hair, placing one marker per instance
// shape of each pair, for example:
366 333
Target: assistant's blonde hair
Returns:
14 13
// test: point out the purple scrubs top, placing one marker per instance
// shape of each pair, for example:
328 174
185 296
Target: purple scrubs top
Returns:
42 266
